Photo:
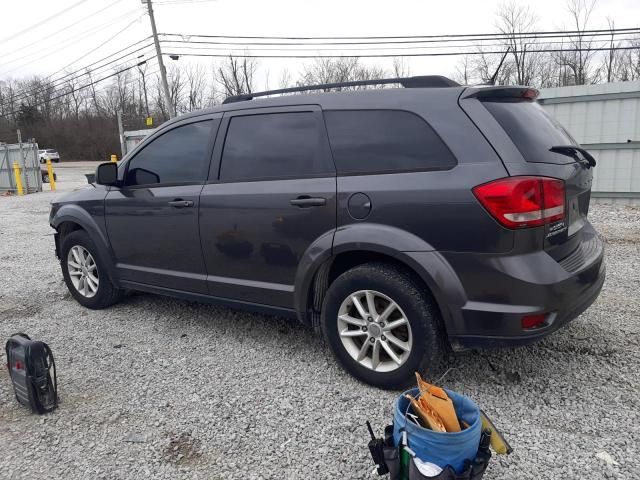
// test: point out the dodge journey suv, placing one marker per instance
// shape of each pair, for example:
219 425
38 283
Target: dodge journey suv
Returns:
398 222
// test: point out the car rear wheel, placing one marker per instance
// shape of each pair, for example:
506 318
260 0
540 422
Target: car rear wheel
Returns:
84 272
382 326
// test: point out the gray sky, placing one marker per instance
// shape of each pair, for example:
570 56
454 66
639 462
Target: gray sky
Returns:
82 34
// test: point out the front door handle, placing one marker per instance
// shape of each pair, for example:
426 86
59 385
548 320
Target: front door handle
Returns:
305 201
180 203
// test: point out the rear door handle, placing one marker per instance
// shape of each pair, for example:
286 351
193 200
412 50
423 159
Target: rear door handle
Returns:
305 201
180 203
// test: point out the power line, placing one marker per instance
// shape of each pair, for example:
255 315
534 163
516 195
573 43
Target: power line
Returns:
538 33
300 47
436 54
183 2
104 42
95 82
71 41
65 29
85 68
496 37
65 79
41 22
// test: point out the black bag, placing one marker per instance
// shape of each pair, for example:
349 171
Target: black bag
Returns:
33 373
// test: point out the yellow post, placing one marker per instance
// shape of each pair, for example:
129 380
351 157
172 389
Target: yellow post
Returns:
52 180
114 158
18 176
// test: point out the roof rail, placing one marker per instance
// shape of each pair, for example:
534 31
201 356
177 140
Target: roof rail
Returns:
424 81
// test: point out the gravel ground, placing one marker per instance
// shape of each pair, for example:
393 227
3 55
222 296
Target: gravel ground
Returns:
161 388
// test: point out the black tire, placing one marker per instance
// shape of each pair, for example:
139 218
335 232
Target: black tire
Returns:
107 294
429 338
45 178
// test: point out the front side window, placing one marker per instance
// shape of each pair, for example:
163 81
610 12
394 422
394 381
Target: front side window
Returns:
274 145
379 141
179 156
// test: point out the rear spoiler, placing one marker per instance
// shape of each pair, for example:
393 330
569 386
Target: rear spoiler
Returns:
486 92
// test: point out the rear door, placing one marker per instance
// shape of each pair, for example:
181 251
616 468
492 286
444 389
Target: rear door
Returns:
271 194
152 218
533 134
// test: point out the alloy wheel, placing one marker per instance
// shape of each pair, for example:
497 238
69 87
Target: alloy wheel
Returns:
374 330
83 271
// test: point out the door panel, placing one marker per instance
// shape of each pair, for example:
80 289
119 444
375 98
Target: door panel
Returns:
152 219
155 242
274 196
253 237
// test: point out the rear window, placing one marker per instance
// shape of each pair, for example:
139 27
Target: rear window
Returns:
384 141
531 129
51 151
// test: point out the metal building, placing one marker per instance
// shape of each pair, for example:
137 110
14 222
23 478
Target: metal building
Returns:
26 155
605 119
134 137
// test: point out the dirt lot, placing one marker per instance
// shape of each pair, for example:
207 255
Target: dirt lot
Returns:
161 388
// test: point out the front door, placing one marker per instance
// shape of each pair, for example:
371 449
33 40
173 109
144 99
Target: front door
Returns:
271 194
152 219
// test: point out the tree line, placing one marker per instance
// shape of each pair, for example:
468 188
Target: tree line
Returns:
77 114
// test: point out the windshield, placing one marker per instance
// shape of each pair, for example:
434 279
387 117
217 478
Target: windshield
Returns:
51 151
531 129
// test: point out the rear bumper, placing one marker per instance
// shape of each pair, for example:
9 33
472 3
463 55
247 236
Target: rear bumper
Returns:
501 290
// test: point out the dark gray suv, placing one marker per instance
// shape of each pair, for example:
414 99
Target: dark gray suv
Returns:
398 222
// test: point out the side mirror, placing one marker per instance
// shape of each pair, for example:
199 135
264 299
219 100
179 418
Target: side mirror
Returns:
107 174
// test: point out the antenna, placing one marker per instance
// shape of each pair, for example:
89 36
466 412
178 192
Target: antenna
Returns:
495 75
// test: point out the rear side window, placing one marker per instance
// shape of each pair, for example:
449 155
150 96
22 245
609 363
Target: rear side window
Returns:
532 130
378 141
274 145
179 156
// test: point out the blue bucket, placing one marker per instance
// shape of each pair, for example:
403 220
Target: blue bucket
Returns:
441 448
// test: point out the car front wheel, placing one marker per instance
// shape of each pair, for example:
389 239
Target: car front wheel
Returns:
382 326
84 272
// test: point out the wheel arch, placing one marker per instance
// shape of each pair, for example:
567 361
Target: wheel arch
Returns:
320 266
70 218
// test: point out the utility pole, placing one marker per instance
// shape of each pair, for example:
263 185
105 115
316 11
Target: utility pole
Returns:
123 145
163 71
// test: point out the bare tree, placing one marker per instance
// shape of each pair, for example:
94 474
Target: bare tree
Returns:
339 70
76 96
236 76
629 62
196 87
464 70
286 80
577 58
610 59
176 83
515 21
93 93
400 67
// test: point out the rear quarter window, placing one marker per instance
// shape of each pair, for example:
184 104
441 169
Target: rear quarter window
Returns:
384 141
532 130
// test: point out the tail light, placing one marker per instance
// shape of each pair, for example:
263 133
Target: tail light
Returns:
530 322
523 202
